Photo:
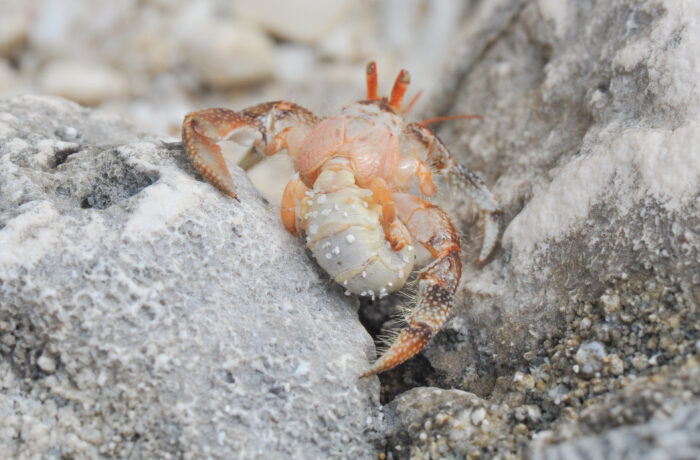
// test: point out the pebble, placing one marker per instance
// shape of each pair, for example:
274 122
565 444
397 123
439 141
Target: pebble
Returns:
229 53
47 364
14 29
478 416
87 83
293 20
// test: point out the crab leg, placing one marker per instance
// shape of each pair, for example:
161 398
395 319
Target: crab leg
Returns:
418 139
294 192
437 282
395 232
268 128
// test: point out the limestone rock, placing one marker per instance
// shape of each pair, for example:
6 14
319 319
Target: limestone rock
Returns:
590 141
143 314
599 185
433 423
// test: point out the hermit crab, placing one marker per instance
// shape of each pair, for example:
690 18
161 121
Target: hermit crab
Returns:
352 197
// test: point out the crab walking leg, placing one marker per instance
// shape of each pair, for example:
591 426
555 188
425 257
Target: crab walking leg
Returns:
409 168
416 140
394 231
294 192
437 282
269 128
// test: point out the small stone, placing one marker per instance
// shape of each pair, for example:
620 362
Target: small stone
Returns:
610 303
590 358
441 418
46 364
523 382
478 416
293 20
585 324
8 339
14 29
87 83
616 365
228 53
640 362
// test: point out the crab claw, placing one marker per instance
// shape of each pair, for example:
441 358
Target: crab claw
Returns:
437 283
200 132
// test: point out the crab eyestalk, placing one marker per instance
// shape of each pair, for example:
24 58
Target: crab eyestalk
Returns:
399 89
372 81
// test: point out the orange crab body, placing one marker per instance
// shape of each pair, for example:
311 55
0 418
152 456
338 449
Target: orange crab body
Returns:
352 197
368 138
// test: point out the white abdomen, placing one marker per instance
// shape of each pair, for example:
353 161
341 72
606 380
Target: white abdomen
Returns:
346 237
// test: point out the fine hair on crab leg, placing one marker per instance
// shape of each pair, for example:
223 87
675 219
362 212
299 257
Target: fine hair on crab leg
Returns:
436 283
269 128
421 142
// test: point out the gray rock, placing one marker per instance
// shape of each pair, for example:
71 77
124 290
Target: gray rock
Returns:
593 153
590 140
675 438
673 432
434 423
143 314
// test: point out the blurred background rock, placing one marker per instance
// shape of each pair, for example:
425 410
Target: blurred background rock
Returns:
154 60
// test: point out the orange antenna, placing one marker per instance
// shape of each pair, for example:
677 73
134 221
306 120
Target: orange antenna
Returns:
450 117
372 81
413 102
399 89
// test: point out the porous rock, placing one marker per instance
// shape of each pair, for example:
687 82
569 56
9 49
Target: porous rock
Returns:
433 423
675 437
143 314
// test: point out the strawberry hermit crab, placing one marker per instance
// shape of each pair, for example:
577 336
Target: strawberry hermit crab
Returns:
351 196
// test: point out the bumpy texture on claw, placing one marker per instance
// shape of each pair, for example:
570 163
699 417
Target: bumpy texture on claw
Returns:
269 128
200 131
437 282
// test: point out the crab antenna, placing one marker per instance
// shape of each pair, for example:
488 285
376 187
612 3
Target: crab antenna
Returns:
399 89
449 118
413 102
372 81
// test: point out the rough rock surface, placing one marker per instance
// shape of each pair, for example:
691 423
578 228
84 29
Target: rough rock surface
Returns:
590 139
145 315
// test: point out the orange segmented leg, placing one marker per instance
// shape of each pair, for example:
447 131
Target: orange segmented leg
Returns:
372 81
408 168
437 282
420 142
399 89
394 231
268 128
294 192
